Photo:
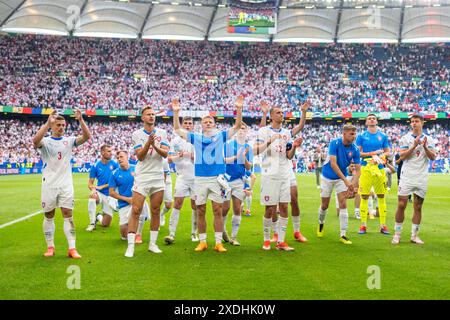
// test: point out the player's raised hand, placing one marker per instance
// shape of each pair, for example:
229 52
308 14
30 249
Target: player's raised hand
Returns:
264 107
176 105
305 106
78 115
52 117
240 102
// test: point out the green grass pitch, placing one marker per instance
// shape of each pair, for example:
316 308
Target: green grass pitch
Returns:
320 269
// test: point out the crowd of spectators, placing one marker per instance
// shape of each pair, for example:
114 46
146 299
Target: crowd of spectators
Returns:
110 74
16 138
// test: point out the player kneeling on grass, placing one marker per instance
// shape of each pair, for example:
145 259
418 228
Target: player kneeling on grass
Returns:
101 171
341 152
417 149
209 168
57 183
120 188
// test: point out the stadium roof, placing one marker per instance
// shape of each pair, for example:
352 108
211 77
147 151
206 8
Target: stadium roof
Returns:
297 20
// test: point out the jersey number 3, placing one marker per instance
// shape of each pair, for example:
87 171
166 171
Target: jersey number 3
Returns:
59 155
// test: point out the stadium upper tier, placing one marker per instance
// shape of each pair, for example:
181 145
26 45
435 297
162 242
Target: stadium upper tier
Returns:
61 72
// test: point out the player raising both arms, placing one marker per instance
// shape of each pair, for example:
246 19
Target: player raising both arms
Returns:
209 164
120 188
57 183
416 150
275 143
341 153
151 146
101 171
374 147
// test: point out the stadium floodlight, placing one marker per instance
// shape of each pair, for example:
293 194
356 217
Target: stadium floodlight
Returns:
330 7
34 31
91 34
283 7
436 5
221 5
197 4
174 3
172 37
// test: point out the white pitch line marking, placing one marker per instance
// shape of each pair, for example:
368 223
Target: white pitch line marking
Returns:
20 219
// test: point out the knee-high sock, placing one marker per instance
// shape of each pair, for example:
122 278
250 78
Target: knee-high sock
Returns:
382 210
224 221
194 222
322 215
267 223
364 208
283 227
174 218
92 207
142 219
48 227
296 223
164 210
248 201
153 236
275 226
343 221
235 224
69 231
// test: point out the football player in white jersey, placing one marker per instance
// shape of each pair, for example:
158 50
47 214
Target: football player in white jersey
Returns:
182 154
151 147
417 149
295 208
57 183
275 143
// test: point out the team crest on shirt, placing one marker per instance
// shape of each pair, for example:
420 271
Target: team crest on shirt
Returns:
266 198
65 143
350 154
379 138
43 204
111 167
133 173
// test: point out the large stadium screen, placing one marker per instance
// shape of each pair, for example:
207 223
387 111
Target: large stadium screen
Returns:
252 17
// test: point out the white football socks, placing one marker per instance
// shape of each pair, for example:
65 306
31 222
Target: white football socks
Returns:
235 224
48 227
92 206
69 231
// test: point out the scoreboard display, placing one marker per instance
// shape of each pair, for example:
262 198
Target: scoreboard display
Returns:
252 17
